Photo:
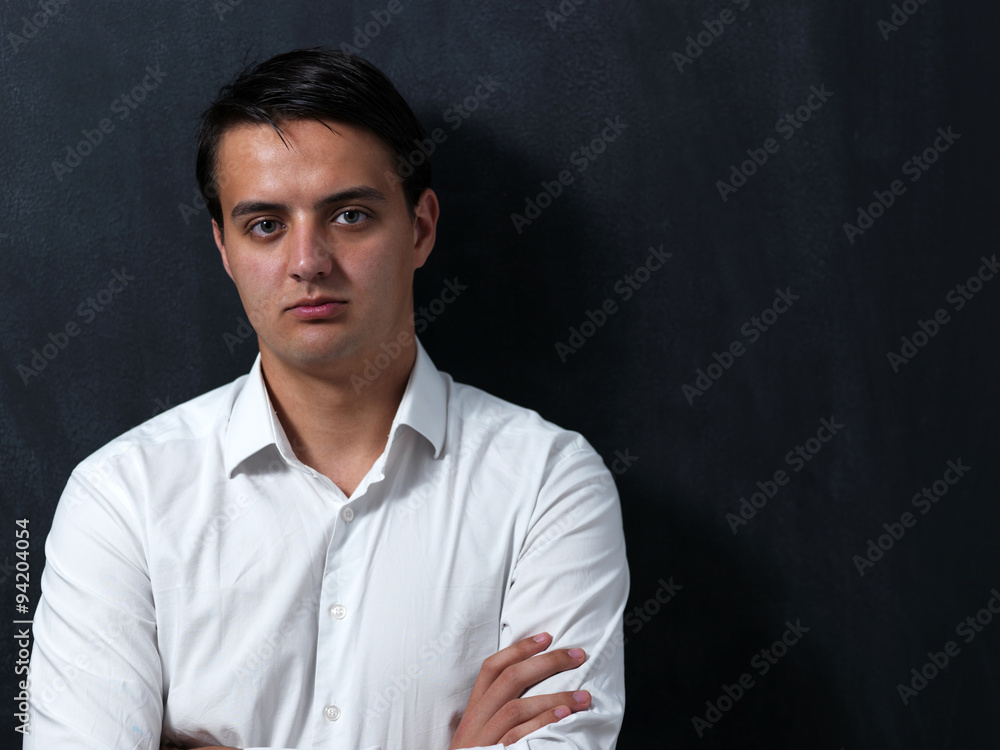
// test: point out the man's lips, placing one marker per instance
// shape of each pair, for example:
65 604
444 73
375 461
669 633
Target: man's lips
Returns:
317 308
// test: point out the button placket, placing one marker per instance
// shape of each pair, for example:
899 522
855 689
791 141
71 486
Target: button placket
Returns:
337 610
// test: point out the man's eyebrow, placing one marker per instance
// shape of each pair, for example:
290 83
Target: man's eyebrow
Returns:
360 192
251 207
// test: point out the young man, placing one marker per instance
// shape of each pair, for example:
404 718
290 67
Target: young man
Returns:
344 548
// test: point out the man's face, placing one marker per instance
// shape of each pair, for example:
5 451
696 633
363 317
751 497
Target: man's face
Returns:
320 242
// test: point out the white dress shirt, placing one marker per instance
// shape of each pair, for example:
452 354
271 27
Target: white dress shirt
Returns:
204 584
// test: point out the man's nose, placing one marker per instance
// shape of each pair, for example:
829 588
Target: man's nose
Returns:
311 253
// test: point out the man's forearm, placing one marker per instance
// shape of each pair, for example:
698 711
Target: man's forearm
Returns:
488 718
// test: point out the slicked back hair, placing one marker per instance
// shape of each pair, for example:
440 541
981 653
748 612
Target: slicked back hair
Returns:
321 84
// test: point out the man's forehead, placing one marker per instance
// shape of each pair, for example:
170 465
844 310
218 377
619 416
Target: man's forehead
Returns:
251 152
243 140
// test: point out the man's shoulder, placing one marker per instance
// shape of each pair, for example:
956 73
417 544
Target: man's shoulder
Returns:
479 415
189 426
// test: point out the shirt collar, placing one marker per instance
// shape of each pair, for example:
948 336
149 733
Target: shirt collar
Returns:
254 425
425 402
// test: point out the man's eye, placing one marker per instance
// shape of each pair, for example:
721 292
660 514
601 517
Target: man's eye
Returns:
351 216
265 228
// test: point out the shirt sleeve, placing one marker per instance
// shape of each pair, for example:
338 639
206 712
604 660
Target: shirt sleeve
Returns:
571 579
95 674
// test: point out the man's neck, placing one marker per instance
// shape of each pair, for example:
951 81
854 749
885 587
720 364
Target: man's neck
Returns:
333 426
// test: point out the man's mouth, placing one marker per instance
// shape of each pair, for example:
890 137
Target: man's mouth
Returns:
313 308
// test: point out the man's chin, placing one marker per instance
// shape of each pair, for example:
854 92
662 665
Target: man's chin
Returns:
340 357
329 358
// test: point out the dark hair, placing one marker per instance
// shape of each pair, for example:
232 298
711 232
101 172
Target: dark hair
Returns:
318 83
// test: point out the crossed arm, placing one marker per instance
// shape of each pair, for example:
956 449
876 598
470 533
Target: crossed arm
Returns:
495 714
574 589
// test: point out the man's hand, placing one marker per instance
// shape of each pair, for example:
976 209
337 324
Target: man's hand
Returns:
496 713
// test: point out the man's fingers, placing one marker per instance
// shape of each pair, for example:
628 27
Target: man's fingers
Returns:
496 709
518 718
517 676
548 717
534 712
495 664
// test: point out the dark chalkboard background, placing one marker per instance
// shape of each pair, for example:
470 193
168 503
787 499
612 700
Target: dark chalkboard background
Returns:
838 97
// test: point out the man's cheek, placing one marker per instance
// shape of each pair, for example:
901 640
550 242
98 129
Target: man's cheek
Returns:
258 312
254 303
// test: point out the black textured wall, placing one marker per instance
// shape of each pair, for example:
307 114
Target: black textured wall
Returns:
747 248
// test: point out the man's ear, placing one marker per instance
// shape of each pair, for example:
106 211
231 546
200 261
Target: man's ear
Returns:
217 232
424 226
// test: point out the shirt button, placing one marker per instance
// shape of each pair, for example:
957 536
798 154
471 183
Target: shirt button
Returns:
332 713
338 611
347 514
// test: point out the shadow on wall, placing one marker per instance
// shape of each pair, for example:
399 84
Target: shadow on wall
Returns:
527 283
698 629
714 667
